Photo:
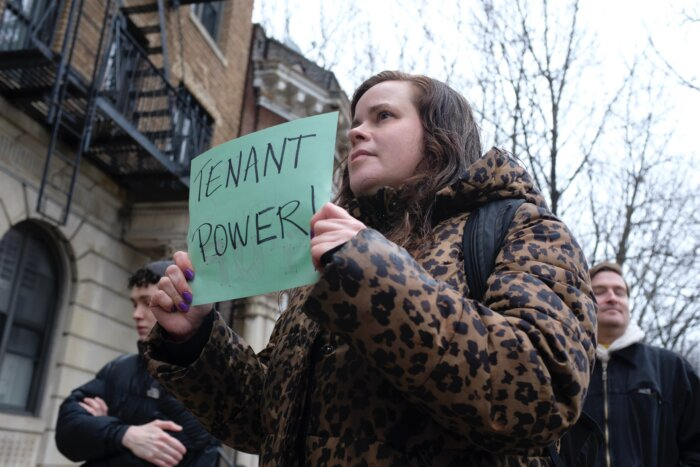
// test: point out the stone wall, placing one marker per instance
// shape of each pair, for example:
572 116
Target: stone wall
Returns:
93 316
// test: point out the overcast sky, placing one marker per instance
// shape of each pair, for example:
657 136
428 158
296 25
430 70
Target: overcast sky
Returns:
622 29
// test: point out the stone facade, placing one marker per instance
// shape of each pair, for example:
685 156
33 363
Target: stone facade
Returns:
92 319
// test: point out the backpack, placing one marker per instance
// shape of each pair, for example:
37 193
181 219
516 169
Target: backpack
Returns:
482 239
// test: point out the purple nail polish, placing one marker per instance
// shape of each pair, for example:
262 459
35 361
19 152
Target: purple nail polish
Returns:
312 233
189 274
184 307
187 296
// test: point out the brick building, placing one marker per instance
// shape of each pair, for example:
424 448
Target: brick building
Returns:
103 103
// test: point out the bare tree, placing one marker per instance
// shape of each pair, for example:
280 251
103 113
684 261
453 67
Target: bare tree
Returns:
537 55
690 82
356 43
644 216
689 18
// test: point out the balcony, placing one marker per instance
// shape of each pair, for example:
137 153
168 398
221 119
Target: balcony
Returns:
145 127
88 73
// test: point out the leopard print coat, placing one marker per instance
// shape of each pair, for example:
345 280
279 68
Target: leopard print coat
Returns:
384 362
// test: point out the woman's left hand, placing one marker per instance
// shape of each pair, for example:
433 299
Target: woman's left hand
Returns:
331 226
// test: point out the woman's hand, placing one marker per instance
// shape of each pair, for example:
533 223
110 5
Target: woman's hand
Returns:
171 303
331 226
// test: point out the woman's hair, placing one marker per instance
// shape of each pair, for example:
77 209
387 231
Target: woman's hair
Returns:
451 143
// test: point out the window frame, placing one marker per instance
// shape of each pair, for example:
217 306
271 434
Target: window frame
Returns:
42 359
199 10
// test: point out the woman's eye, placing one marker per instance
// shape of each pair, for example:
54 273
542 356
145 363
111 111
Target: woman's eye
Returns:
383 115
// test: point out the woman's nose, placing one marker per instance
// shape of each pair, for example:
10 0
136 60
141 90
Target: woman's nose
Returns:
357 134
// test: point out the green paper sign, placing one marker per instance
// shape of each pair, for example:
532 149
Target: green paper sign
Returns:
251 200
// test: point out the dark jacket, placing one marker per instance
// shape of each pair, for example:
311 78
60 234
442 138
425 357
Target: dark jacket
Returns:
133 397
653 405
385 362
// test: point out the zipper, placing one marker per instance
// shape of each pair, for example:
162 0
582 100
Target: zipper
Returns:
659 410
605 414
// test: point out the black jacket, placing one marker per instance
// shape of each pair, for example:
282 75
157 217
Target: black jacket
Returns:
654 408
133 398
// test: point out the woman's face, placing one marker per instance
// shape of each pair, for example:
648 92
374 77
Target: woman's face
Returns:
386 138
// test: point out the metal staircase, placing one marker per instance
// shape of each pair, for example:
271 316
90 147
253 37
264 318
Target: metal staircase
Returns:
105 93
61 171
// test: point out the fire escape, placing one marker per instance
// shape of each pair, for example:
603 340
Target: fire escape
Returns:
95 73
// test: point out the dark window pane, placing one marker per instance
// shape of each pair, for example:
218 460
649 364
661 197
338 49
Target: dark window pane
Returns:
37 285
28 290
15 380
24 342
209 15
9 257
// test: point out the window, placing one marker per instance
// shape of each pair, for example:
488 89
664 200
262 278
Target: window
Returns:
192 128
28 294
209 14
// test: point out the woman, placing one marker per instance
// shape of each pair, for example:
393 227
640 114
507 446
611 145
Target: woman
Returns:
384 361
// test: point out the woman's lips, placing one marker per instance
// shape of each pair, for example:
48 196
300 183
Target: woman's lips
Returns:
360 153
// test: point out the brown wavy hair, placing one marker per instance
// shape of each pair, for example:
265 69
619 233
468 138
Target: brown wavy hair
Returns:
451 143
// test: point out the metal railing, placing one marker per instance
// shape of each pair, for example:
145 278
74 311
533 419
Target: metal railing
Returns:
167 116
26 24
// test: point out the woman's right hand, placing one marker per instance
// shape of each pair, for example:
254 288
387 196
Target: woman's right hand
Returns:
171 303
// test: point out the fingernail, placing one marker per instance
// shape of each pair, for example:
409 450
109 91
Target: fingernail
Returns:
189 274
187 296
184 307
173 309
312 233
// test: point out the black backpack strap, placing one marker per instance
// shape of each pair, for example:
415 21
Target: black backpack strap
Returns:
483 237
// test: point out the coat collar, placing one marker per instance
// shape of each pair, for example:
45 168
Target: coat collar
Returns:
496 175
381 210
141 345
632 335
